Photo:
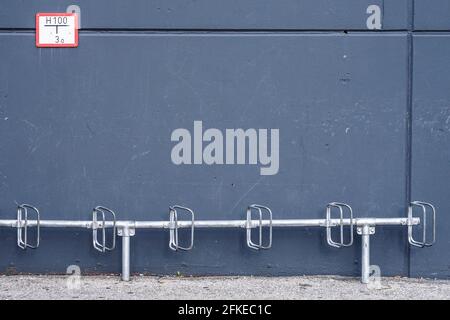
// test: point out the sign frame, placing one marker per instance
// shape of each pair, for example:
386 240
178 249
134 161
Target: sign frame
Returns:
56 45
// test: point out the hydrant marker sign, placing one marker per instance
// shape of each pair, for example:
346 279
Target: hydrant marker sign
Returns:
56 30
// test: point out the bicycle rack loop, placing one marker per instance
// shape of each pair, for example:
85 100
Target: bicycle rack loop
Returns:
126 229
341 224
250 243
102 247
423 206
22 226
173 231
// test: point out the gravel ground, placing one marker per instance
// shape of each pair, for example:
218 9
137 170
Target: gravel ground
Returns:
146 287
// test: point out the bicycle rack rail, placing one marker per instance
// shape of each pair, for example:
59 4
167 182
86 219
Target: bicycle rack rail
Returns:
126 229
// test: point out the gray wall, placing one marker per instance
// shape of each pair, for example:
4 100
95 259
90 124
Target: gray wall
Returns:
363 118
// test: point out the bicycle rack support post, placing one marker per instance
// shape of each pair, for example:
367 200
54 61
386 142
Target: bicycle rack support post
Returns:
126 232
365 231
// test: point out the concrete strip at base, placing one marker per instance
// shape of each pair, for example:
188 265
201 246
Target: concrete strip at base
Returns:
149 287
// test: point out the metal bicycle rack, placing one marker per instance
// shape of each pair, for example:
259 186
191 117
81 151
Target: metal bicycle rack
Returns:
126 229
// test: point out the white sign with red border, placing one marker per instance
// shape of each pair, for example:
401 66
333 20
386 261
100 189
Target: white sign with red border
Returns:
56 30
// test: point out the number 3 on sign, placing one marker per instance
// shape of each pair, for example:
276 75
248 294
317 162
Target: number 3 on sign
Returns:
56 30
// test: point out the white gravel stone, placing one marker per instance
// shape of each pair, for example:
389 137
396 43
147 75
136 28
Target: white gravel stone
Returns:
149 287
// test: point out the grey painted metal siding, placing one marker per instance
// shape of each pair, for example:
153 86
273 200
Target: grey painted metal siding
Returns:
213 14
431 15
431 145
92 125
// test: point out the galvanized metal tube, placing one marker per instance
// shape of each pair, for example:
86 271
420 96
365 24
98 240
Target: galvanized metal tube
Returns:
365 254
275 223
125 256
215 223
